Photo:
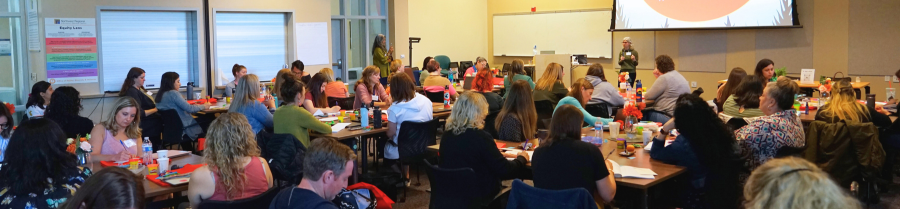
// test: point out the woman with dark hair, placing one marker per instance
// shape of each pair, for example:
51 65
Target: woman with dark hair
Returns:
408 106
39 99
660 98
168 98
112 187
707 149
744 102
6 124
238 71
736 76
64 111
38 172
369 90
425 72
765 70
563 161
292 119
516 73
604 92
517 120
382 57
297 68
761 138
315 99
151 123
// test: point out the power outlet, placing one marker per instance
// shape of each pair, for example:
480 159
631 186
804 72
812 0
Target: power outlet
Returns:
887 78
693 84
896 80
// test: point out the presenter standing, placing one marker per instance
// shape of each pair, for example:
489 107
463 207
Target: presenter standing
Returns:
382 57
628 60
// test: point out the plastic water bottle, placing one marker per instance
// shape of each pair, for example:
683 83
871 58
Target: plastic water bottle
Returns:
147 148
598 132
446 97
535 51
364 116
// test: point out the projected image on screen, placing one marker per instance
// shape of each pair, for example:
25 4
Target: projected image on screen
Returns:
674 14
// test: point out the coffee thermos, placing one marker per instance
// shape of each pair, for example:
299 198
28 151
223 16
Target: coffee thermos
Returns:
190 91
870 101
376 115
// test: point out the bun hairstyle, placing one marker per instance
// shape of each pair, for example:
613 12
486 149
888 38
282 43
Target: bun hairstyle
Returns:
236 68
290 88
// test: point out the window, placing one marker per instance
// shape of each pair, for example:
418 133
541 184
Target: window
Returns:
157 41
354 26
257 41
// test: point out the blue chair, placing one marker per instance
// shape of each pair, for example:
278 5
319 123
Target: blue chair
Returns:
523 196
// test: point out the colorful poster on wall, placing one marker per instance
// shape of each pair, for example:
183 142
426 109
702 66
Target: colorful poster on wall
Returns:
71 50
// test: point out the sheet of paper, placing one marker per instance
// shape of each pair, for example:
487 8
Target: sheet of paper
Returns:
516 152
319 113
338 127
807 76
312 42
328 119
34 40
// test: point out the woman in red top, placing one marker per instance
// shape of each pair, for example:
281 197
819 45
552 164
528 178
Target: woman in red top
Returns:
315 99
234 169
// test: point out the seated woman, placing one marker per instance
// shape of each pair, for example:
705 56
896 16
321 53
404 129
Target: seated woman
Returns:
168 98
763 136
734 80
579 95
119 137
485 86
6 128
793 182
765 70
39 99
563 161
465 145
64 111
279 79
234 168
516 73
660 98
517 121
424 73
394 68
151 123
843 106
707 149
238 71
246 101
408 106
550 86
480 64
334 88
112 187
744 102
434 82
604 92
38 172
292 119
369 89
315 99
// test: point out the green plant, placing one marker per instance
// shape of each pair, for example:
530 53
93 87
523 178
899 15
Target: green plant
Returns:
780 72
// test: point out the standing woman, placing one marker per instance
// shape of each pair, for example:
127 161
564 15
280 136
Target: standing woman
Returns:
382 57
118 138
765 69
168 98
39 99
368 89
238 71
516 73
151 123
550 86
246 101
64 111
628 60
315 98
517 120
6 124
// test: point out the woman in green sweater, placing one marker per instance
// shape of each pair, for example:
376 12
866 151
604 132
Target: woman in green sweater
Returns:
578 97
516 73
293 119
382 57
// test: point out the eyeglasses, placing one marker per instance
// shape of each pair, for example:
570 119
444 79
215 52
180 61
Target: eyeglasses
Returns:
4 126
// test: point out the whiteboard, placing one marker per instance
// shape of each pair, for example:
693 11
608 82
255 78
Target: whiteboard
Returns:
312 43
566 32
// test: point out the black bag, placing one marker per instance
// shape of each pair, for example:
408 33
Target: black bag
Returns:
284 154
355 199
385 181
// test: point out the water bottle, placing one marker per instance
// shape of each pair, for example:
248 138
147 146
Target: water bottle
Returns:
638 86
275 99
598 132
376 116
147 148
190 91
446 97
535 51
364 116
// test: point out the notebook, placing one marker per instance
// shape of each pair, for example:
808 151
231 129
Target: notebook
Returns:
632 172
516 152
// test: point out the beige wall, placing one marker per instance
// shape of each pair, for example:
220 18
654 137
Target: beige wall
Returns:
459 35
399 27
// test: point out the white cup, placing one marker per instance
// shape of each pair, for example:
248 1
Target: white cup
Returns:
647 135
162 154
163 164
197 95
614 129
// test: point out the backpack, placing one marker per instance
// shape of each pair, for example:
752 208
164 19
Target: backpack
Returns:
284 153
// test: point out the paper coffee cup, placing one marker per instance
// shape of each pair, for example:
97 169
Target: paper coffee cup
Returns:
162 154
163 164
614 129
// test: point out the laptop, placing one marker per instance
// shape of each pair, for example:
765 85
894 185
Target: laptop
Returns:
468 82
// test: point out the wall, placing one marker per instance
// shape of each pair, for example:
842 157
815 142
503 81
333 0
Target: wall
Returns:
458 35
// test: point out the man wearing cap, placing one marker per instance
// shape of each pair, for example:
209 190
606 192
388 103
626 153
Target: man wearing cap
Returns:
628 60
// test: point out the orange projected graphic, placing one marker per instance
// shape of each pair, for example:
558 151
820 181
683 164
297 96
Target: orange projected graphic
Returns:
695 10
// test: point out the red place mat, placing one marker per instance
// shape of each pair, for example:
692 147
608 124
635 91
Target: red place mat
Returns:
188 168
113 163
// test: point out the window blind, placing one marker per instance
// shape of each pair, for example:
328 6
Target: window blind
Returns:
256 40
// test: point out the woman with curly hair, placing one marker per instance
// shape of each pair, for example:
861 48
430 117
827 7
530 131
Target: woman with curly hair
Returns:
64 111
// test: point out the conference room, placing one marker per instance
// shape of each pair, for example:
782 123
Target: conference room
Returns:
449 104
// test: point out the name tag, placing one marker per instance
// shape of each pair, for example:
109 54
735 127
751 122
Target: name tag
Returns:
627 53
129 143
374 97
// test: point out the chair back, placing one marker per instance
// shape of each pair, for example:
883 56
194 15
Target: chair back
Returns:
846 151
544 110
489 123
444 60
454 188
284 153
345 103
598 110
257 201
173 129
414 139
523 196
736 123
435 97
416 75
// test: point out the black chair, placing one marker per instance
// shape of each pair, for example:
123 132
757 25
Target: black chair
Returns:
412 143
544 110
261 200
284 154
344 103
489 123
454 188
736 123
173 131
598 110
436 97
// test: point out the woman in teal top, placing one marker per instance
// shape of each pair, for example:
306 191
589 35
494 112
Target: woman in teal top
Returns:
516 73
578 96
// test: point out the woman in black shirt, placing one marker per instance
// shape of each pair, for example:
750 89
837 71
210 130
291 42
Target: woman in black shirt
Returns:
151 123
563 161
64 111
517 121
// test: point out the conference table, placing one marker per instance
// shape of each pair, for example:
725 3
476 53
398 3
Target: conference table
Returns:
641 159
152 190
815 85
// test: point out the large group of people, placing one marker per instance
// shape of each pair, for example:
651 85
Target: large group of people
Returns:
726 167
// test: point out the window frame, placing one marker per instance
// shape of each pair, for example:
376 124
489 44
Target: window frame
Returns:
196 58
290 51
345 17
22 73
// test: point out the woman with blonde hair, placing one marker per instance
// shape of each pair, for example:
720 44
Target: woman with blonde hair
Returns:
369 90
396 66
118 138
234 169
550 86
794 183
246 101
334 88
843 106
465 145
279 80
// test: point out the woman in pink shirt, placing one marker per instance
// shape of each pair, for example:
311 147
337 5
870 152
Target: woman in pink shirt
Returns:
480 64
369 88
